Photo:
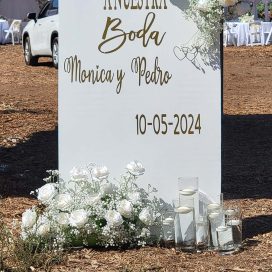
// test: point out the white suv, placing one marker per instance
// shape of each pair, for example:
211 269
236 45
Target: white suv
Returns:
40 36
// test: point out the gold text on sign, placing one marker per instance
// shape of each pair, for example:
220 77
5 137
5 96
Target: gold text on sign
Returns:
155 76
135 4
73 66
169 124
114 37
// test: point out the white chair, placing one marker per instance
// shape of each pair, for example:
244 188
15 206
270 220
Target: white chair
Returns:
266 30
268 37
255 33
230 34
14 30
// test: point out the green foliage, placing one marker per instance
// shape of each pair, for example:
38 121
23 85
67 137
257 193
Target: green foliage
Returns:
28 255
19 255
5 244
261 9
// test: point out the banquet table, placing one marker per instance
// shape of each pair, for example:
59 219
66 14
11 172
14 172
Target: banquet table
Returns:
4 25
242 32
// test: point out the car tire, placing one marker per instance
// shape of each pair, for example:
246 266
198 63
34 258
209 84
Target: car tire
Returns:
29 59
55 52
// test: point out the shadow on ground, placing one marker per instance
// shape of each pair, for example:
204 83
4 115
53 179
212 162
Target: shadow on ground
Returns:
253 226
45 63
22 168
247 156
247 159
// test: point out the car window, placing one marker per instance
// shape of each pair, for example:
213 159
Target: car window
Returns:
55 4
44 10
53 9
50 9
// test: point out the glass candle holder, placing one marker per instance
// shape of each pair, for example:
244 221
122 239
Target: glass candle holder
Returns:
224 237
168 226
189 187
219 199
233 219
201 233
215 216
185 229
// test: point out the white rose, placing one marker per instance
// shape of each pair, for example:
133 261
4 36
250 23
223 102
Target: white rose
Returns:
24 235
135 168
100 173
203 5
78 218
29 218
146 216
47 192
42 226
63 219
134 197
125 208
43 229
114 218
79 174
145 232
228 3
107 189
63 201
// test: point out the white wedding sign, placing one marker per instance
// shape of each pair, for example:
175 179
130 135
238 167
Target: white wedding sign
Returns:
128 90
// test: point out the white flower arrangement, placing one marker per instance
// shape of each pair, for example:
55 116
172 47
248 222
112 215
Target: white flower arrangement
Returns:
208 16
90 210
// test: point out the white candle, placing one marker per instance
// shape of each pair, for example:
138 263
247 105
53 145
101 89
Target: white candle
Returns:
168 221
234 222
214 215
184 209
225 235
221 228
230 212
187 192
213 206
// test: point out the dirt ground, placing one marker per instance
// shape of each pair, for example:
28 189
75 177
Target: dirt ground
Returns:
28 147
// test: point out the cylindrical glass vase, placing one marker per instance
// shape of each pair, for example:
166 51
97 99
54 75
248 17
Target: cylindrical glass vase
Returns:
233 219
189 187
201 233
168 226
215 216
185 229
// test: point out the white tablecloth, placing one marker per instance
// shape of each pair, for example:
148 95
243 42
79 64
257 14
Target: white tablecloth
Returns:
242 31
3 26
266 26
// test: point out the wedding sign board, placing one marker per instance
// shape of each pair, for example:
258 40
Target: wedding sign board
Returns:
131 88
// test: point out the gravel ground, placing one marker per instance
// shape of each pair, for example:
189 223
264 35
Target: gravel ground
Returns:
28 147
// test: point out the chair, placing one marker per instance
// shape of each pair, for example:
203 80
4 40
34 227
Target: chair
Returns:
266 30
14 30
230 34
255 33
268 37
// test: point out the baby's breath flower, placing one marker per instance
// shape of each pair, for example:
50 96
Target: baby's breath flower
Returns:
89 209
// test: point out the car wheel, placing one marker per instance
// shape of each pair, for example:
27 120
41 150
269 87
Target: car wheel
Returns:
55 52
29 59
